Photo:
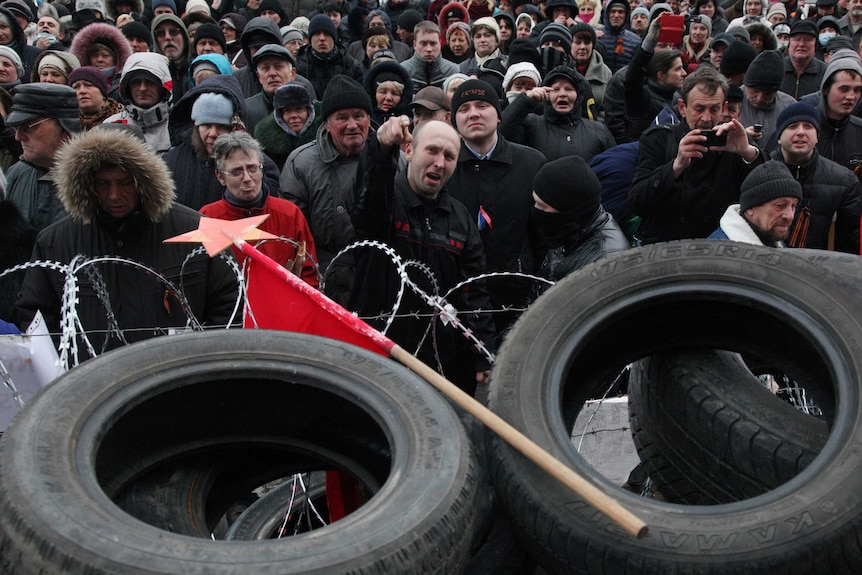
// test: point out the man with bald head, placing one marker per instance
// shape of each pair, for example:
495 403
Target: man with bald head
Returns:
414 214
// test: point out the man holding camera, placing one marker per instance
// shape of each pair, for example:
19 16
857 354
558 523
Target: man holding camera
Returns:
689 173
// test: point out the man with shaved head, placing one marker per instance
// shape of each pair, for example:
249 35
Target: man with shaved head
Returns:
413 213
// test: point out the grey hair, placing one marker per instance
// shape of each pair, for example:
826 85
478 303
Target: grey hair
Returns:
231 142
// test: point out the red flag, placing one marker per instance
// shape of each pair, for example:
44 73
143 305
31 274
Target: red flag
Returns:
277 299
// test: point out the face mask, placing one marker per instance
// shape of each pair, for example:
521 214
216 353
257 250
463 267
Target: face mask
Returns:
824 37
551 58
552 225
782 44
511 95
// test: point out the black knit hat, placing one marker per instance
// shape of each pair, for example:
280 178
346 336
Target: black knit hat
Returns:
473 90
275 6
737 58
767 182
344 92
766 71
322 23
138 30
570 186
582 27
213 32
798 112
408 20
522 50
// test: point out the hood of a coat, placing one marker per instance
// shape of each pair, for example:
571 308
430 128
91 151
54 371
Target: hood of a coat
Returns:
259 26
219 60
99 32
624 5
17 32
111 8
391 68
183 30
582 86
82 155
228 86
155 64
296 93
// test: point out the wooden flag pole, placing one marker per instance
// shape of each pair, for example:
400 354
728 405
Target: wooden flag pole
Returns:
591 494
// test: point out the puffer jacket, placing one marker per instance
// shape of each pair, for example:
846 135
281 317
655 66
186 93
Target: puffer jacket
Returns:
142 306
319 71
179 69
321 182
19 43
432 73
620 45
194 174
552 133
259 26
153 121
599 238
99 32
829 192
378 116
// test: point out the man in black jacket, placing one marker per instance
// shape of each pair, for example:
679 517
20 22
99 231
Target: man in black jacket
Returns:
413 213
830 192
681 186
494 179
322 59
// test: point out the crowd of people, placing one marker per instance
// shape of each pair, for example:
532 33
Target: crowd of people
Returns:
488 141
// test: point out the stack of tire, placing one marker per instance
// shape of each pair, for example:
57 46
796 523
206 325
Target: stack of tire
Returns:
132 462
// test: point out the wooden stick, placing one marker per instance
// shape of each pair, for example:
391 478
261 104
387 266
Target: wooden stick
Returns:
568 477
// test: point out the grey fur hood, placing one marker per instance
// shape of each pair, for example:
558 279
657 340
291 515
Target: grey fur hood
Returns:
81 156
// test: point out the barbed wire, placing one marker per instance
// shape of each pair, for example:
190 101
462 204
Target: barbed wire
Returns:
72 331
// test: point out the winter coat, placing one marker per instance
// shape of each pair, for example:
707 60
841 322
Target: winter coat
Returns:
296 8
830 193
475 61
259 26
502 187
767 117
285 220
645 97
278 140
153 121
426 73
142 306
845 28
378 116
691 57
101 33
16 244
732 226
320 71
31 189
179 69
598 75
620 45
554 134
321 183
194 173
807 82
689 206
614 105
719 24
598 239
19 43
444 237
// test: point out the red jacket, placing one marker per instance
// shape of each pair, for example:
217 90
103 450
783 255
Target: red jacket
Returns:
285 220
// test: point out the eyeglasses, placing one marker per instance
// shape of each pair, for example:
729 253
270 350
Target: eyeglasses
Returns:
252 169
162 32
26 128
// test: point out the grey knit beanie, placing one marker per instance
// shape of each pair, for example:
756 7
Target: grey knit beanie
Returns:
767 182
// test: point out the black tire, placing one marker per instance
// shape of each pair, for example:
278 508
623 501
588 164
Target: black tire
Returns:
708 432
663 297
251 389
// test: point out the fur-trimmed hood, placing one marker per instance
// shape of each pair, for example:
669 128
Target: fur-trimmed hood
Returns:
82 155
458 7
111 8
395 69
103 34
770 42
